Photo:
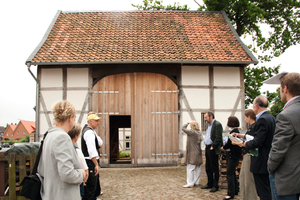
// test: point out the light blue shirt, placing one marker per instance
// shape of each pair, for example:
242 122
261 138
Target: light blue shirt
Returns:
207 140
260 114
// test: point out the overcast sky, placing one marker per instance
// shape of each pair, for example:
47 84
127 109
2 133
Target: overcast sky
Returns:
23 24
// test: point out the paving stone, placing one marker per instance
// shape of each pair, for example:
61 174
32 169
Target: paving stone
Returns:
154 183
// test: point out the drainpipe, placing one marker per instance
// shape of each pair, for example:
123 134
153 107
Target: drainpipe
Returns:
37 124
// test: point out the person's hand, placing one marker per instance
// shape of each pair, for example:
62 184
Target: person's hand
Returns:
87 176
83 174
96 170
222 149
237 143
211 148
235 134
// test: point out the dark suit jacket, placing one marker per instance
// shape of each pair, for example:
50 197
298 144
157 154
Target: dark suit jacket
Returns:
284 159
263 129
216 136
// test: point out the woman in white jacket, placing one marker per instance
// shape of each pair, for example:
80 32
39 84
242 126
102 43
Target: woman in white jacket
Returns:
59 164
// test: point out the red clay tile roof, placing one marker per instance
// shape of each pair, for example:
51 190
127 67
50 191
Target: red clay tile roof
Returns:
28 125
95 37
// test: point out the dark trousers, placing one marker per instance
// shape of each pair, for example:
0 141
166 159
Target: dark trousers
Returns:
92 188
262 185
212 167
232 183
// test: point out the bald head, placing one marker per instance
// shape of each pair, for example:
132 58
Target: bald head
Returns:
261 101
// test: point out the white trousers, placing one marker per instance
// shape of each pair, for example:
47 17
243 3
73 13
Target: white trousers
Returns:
193 174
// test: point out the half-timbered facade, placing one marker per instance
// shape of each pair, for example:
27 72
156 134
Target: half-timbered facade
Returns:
148 72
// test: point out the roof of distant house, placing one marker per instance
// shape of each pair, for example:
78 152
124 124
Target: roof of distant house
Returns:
29 125
141 37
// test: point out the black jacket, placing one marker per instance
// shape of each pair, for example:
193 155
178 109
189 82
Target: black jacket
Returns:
235 151
263 129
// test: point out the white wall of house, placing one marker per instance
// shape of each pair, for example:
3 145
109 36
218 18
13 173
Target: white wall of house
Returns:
52 90
195 84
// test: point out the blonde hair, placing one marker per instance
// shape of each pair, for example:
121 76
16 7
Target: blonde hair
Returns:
91 113
62 110
75 131
194 125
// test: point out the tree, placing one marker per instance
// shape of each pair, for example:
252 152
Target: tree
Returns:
158 5
277 104
282 17
253 78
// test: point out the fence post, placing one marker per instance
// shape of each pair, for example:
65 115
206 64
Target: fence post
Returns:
2 175
32 161
12 176
22 169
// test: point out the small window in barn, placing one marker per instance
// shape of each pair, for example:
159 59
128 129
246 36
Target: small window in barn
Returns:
128 145
128 137
204 124
17 132
23 132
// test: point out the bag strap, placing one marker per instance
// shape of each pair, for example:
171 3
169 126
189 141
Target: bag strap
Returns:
34 170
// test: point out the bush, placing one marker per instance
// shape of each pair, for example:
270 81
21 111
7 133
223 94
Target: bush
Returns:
123 154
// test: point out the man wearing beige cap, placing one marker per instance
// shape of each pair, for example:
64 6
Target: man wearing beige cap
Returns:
90 144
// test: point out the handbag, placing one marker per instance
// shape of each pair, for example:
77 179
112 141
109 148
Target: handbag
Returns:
32 184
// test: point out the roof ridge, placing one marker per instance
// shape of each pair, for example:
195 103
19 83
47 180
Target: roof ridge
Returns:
145 11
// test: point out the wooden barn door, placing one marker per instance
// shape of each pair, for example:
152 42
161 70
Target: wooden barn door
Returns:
151 100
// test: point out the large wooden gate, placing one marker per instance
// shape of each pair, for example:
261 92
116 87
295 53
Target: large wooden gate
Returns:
151 100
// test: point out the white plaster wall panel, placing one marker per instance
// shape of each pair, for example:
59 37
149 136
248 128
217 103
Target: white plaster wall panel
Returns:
197 98
195 75
77 98
51 78
77 77
226 76
51 97
186 118
222 117
226 98
83 122
44 124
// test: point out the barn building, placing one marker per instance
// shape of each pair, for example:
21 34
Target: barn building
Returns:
148 72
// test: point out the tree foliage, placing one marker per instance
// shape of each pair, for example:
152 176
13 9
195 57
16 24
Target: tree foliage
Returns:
282 17
253 78
158 5
277 104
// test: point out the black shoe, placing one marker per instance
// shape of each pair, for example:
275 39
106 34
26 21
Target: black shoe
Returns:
228 198
205 187
214 189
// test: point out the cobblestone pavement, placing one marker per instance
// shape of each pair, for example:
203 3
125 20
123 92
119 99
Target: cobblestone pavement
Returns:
153 183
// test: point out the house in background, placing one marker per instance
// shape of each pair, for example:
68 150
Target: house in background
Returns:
8 133
19 131
147 71
22 129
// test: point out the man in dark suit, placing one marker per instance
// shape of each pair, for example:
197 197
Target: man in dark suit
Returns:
263 134
213 144
284 158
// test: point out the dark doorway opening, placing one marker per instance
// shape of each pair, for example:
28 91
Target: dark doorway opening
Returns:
120 139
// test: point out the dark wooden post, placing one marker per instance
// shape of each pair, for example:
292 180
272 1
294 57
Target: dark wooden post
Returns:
22 169
12 176
2 174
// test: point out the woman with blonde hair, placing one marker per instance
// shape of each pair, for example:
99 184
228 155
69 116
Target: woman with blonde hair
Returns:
193 153
59 165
